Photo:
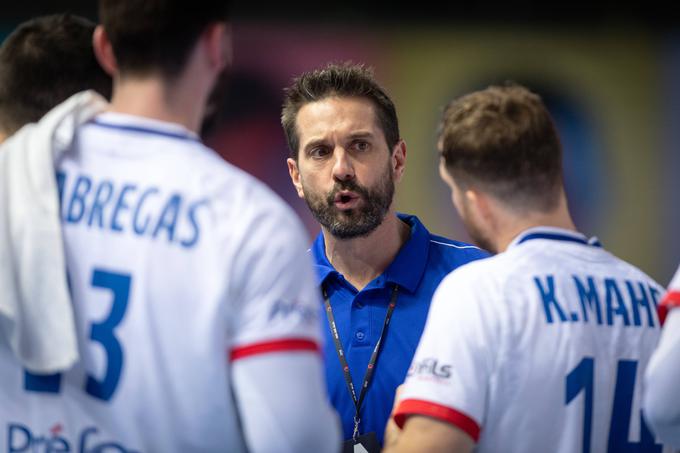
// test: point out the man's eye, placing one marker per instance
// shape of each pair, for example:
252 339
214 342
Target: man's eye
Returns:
318 151
361 146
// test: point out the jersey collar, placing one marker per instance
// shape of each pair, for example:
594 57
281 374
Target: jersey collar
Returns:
142 125
553 234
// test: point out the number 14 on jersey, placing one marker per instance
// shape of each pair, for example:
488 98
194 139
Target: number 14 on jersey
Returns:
581 378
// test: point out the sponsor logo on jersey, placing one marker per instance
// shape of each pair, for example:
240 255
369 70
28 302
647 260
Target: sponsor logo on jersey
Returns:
20 438
283 310
430 367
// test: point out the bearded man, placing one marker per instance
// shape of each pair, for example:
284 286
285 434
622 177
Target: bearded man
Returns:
375 267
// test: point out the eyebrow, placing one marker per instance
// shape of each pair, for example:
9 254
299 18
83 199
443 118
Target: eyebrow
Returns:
362 134
322 141
315 142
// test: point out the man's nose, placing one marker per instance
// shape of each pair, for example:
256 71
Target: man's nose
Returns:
343 169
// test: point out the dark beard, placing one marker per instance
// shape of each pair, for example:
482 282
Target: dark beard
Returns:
480 240
353 223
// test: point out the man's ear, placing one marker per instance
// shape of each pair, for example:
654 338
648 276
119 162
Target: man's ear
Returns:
478 201
487 208
104 51
294 173
399 160
217 38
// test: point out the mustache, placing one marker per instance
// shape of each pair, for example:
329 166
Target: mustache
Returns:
347 185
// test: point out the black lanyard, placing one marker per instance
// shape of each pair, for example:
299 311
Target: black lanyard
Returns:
371 362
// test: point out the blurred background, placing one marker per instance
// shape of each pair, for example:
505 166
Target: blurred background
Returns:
609 73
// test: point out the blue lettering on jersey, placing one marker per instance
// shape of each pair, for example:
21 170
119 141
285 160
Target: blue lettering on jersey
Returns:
21 439
140 229
549 301
590 301
656 295
168 218
76 207
121 206
614 302
595 296
101 198
61 180
130 209
193 221
639 300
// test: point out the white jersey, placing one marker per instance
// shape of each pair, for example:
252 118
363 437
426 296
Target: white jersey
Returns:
186 275
539 349
662 377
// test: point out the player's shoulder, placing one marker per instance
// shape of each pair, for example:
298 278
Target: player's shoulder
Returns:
477 276
625 270
243 196
218 178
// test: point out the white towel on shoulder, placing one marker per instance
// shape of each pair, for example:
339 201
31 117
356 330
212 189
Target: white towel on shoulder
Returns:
36 314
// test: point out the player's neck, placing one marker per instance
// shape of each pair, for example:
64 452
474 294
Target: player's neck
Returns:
514 225
360 260
152 97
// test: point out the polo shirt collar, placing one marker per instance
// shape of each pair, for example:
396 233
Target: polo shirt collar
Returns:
407 268
322 266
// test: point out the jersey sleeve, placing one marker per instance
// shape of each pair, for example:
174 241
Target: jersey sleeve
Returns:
661 400
283 405
276 302
448 378
276 370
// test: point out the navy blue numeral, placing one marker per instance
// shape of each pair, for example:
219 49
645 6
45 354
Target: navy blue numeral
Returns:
623 398
102 333
42 383
119 284
581 378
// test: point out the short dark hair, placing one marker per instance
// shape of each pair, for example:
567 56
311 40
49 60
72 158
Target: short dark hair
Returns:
346 80
42 63
156 36
504 140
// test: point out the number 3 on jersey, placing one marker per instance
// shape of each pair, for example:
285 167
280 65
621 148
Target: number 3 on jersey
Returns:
581 378
102 333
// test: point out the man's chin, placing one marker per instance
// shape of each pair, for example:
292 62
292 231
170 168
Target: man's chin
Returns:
345 235
351 230
345 213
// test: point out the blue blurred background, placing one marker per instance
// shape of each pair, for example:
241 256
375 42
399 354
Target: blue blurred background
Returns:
609 73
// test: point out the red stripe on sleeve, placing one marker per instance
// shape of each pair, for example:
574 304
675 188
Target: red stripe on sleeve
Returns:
670 300
287 345
446 414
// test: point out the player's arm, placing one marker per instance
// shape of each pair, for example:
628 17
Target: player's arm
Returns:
282 403
661 401
276 367
443 400
422 433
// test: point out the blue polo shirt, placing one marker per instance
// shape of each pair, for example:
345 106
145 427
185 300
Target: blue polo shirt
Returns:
421 264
